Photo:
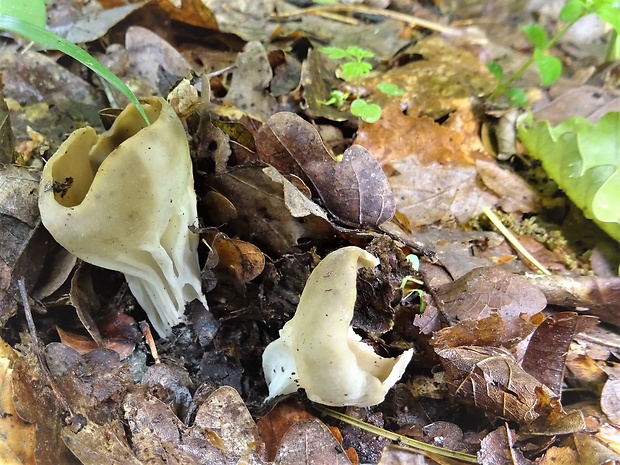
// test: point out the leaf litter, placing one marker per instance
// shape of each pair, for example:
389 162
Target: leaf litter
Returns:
495 350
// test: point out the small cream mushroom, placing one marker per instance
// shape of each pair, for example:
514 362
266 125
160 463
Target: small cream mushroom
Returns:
319 351
125 201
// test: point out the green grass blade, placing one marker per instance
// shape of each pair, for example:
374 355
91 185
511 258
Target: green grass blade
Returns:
422 446
48 39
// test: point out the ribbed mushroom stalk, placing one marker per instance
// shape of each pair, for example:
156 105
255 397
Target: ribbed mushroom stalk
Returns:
125 201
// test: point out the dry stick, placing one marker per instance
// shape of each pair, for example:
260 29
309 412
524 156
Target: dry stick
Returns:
36 346
411 20
513 240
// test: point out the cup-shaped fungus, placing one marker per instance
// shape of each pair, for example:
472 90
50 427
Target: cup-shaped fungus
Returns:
125 201
319 351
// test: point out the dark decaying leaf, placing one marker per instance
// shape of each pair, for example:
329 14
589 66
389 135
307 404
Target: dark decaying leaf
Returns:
7 140
225 416
248 88
546 352
491 379
484 290
610 396
24 243
17 437
270 213
580 449
273 425
599 295
355 190
498 447
95 444
223 431
488 306
310 442
36 403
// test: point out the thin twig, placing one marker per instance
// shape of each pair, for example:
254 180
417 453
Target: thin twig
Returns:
513 240
405 18
36 346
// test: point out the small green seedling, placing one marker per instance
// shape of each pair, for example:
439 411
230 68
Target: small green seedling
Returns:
354 69
414 261
28 18
549 67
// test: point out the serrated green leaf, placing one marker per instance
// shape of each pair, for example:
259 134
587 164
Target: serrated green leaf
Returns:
355 69
609 13
369 112
31 11
584 160
389 88
48 39
359 53
549 67
536 34
496 70
571 11
334 53
516 95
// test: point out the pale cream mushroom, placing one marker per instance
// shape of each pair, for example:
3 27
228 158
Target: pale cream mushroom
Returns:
125 201
319 351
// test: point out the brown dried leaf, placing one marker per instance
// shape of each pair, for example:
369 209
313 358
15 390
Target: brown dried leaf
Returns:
601 296
225 414
193 12
498 447
278 421
437 193
580 449
248 88
265 214
17 437
490 379
36 403
610 396
7 140
154 61
223 431
239 259
546 352
94 444
355 190
309 442
479 295
515 193
24 244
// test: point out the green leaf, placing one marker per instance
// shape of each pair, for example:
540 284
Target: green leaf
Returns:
31 11
359 53
48 39
549 67
571 11
369 112
610 14
516 96
355 69
334 53
583 159
336 98
390 88
536 34
496 70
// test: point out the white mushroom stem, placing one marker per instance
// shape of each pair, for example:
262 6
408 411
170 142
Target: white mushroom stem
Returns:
319 351
125 201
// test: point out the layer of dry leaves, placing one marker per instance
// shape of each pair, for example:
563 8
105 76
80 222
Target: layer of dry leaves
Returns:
509 367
